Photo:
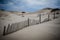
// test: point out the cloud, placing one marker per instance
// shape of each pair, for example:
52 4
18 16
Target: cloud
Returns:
35 2
10 3
39 2
27 5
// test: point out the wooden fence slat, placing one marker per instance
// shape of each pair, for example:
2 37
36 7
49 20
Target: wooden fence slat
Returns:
4 30
28 21
8 29
40 18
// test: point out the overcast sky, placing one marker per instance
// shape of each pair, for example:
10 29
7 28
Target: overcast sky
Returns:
28 5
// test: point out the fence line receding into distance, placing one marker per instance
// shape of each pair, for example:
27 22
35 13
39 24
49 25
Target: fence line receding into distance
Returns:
17 26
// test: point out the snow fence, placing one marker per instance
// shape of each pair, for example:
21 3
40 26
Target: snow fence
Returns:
17 26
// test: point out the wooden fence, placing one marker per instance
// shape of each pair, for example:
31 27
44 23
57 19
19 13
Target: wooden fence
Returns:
17 26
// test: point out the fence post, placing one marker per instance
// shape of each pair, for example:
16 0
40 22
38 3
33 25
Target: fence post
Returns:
28 21
48 17
54 16
39 18
4 30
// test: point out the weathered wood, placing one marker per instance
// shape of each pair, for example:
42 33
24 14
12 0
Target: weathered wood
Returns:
48 17
54 16
28 21
39 18
8 28
4 30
